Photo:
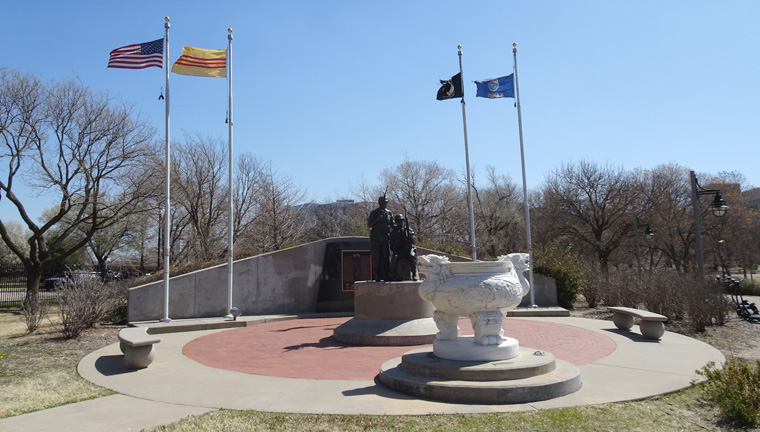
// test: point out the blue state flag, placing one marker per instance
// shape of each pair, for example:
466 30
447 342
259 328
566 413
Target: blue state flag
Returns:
503 87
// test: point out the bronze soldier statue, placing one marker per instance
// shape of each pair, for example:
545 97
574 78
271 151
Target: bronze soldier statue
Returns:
403 250
380 221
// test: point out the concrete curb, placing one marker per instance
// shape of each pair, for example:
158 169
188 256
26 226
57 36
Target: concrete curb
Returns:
637 368
174 386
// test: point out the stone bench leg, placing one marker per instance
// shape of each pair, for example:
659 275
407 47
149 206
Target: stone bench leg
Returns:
652 329
622 321
139 357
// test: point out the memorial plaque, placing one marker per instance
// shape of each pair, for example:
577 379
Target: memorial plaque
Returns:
333 295
356 265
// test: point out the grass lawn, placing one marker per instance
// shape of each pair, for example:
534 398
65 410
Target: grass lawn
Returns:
681 411
38 371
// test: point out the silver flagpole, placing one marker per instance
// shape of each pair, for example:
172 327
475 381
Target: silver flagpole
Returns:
467 161
167 204
525 186
230 216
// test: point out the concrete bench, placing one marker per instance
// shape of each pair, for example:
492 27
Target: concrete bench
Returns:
137 346
651 324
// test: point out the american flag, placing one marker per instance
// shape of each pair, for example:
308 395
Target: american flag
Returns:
138 56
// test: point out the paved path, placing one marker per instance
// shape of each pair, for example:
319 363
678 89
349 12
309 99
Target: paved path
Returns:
305 348
614 365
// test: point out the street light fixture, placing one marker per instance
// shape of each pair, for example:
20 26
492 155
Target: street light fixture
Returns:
718 208
648 232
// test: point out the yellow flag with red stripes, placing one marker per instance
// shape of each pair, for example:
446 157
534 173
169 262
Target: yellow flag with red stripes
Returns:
201 62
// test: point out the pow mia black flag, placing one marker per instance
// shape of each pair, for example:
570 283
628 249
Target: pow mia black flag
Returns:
451 88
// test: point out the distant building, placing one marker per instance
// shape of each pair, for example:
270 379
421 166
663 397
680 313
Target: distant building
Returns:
752 198
333 219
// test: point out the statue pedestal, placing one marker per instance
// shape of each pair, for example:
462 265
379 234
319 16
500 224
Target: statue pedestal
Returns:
388 313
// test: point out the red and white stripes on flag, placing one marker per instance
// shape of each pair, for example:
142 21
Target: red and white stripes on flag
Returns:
138 56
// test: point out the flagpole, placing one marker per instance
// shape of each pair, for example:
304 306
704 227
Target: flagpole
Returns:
230 215
167 204
525 187
467 162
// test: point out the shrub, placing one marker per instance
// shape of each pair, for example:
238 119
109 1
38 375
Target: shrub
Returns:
697 300
750 287
623 289
116 311
32 311
666 292
706 304
735 389
680 297
593 284
82 303
564 267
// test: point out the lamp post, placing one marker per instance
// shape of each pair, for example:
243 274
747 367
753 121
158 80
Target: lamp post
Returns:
648 232
718 208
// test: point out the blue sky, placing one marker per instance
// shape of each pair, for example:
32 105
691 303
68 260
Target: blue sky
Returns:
330 91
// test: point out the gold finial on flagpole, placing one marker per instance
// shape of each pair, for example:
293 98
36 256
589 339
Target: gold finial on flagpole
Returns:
166 19
459 46
229 30
514 44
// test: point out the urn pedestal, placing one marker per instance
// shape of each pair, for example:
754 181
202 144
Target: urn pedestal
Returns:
487 367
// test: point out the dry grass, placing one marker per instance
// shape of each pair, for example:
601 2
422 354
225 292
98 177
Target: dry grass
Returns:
682 411
38 370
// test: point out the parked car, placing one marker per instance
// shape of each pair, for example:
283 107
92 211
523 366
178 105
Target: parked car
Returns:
60 279
112 275
54 281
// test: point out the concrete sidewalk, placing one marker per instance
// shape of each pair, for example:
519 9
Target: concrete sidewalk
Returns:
175 386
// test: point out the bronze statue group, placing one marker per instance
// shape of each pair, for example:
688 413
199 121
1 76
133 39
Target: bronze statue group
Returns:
392 245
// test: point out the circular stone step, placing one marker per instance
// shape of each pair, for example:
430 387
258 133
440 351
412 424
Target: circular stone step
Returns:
562 380
528 363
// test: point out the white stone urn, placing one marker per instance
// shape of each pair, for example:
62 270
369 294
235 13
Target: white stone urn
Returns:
483 291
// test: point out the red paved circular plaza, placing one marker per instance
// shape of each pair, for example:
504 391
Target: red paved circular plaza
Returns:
304 348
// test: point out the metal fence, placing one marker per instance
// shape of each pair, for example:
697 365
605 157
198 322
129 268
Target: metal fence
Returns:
13 287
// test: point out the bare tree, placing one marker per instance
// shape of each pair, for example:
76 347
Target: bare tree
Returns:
83 148
498 220
249 185
140 239
671 218
279 223
107 241
335 219
427 192
593 206
668 189
730 240
199 189
16 232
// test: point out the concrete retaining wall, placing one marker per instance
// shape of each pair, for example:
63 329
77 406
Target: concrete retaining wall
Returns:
281 282
285 281
544 292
